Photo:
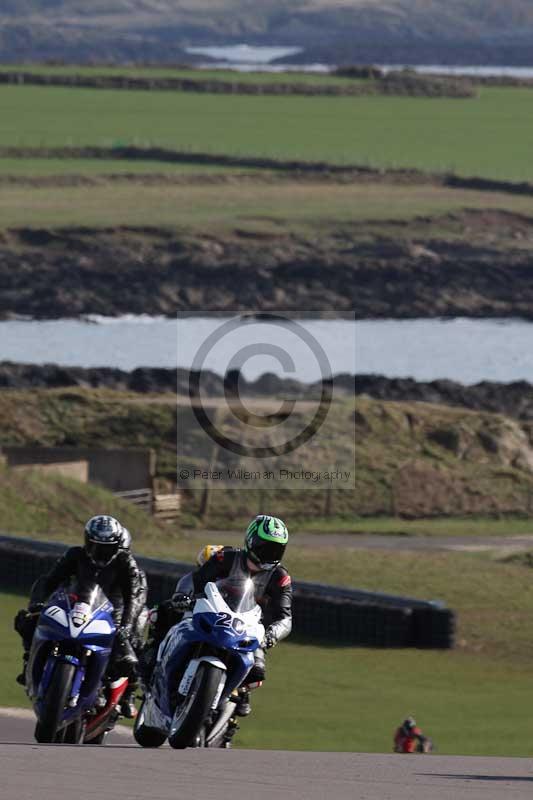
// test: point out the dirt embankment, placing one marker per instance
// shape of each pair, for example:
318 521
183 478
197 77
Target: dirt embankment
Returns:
49 274
418 460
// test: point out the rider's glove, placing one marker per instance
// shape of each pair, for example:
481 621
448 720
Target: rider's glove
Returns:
20 620
182 602
35 608
269 641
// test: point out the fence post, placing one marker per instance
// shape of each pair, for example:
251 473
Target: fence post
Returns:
205 502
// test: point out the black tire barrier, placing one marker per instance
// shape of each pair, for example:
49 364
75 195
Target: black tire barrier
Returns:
350 617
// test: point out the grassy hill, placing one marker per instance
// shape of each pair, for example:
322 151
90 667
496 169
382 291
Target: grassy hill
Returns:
417 460
247 17
35 504
103 418
358 30
411 459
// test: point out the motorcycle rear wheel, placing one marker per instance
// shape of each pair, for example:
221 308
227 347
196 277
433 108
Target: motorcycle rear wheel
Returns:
196 707
47 729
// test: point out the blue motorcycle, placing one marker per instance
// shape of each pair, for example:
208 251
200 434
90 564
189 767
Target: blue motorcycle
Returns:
201 663
67 663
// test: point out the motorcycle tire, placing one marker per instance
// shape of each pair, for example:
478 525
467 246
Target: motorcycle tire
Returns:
196 707
75 732
47 729
145 736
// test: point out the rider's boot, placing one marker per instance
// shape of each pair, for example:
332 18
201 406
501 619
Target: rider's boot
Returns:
127 703
21 678
231 730
243 707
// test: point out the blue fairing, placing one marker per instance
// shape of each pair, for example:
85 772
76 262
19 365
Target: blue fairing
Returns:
53 643
176 652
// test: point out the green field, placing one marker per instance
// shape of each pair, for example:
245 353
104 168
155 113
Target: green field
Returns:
265 206
488 136
352 699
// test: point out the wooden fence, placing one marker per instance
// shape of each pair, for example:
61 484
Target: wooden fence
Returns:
165 507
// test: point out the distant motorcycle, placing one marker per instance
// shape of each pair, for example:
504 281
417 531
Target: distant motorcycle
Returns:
192 695
425 746
67 663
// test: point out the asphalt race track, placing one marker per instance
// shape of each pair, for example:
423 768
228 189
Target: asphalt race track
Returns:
123 771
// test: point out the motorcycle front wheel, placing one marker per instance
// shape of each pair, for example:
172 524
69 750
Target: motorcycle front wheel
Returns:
47 729
145 736
194 709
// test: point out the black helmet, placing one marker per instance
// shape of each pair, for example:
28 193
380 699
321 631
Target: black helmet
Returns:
125 539
265 541
103 536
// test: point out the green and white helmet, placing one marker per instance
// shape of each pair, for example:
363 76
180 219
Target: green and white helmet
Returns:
265 541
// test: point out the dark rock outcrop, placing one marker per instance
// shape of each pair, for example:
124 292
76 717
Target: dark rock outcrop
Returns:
49 274
155 379
513 399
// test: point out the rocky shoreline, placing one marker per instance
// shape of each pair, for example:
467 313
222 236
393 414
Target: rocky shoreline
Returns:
512 399
76 272
155 379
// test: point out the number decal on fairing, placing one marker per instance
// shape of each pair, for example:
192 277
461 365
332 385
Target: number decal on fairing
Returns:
224 620
238 626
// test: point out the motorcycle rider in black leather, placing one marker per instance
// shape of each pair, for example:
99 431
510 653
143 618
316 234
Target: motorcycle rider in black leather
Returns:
264 546
103 561
127 702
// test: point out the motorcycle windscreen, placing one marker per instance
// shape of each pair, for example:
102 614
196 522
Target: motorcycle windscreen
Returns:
238 591
89 595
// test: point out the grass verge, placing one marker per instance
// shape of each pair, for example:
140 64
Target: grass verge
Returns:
312 207
438 526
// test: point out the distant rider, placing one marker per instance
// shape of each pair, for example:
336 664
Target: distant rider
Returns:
264 545
103 560
410 739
